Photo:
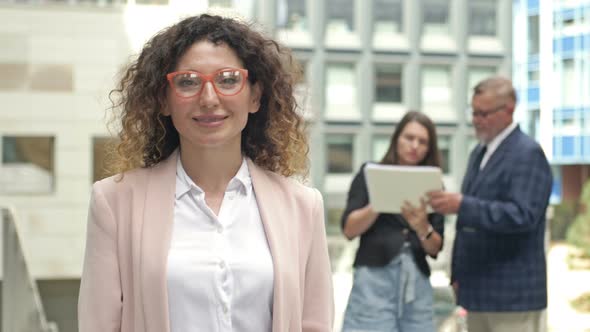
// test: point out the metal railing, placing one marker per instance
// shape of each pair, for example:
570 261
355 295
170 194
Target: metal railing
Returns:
22 310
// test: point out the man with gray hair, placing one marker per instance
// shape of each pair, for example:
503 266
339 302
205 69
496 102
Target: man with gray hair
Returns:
498 268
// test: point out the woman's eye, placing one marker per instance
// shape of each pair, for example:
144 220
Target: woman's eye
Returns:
229 80
187 83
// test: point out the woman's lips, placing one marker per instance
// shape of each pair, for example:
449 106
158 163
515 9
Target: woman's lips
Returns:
210 120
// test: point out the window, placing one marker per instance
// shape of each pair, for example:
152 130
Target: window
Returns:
27 165
292 15
151 2
380 146
388 83
302 93
477 74
220 3
57 78
533 75
388 104
341 99
340 16
569 83
38 77
245 9
444 146
14 76
339 153
533 34
534 123
341 24
435 16
387 17
437 92
100 154
333 228
482 17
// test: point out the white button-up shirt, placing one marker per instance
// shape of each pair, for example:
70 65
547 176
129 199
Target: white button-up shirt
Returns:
220 271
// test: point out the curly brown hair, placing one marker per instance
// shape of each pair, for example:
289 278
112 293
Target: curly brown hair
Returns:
274 137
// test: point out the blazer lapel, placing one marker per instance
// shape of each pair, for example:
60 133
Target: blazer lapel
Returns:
496 158
155 243
469 176
272 219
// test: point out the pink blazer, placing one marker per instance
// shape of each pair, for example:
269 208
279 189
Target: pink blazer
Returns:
123 286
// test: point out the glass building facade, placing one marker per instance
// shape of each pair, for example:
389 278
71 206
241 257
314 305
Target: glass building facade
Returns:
552 74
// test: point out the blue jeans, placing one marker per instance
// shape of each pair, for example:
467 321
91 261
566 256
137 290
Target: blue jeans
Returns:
393 298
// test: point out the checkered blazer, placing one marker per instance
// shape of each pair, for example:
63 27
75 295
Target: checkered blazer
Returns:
498 254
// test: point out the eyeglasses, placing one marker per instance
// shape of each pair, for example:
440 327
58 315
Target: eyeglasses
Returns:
226 82
484 114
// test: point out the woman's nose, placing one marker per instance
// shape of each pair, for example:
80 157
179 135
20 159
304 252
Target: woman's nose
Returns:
209 97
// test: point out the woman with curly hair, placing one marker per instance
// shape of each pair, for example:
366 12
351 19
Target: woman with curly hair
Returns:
202 229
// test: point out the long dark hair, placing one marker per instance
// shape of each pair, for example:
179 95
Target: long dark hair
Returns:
432 157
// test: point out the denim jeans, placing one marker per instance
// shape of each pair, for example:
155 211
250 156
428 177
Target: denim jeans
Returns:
393 298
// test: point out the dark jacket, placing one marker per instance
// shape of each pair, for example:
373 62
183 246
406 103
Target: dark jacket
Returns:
384 239
499 252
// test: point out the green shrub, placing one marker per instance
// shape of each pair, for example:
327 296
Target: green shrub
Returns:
578 234
582 303
563 216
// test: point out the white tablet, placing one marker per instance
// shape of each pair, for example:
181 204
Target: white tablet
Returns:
390 185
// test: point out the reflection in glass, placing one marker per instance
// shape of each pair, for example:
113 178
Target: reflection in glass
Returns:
444 147
100 154
151 2
340 16
436 89
333 227
570 85
435 16
341 91
291 15
476 75
387 16
388 83
533 34
380 145
27 164
220 3
534 123
339 153
482 17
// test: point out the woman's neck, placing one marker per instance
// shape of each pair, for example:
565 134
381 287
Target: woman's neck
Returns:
211 169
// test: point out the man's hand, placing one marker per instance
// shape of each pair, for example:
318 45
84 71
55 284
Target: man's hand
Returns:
444 202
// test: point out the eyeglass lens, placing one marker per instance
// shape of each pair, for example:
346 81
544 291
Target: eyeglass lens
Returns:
226 82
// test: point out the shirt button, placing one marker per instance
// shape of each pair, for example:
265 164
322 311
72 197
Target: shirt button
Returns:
222 264
219 229
405 231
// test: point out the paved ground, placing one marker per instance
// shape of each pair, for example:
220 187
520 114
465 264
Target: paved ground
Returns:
565 285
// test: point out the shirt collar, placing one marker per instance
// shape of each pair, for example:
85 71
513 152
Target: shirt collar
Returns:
240 182
495 142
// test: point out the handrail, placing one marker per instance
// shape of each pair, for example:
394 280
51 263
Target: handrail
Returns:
22 309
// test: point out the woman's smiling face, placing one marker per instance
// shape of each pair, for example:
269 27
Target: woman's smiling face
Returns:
209 119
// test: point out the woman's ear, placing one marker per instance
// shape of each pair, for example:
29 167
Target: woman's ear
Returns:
165 111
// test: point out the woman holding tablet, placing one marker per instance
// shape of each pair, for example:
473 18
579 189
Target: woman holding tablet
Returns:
391 290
